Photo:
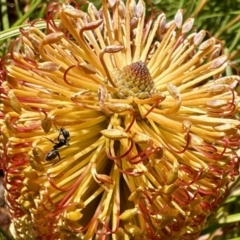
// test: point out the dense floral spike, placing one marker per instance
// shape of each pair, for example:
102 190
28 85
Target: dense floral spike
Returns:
135 116
135 80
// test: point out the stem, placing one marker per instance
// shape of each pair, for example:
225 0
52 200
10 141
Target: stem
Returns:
4 234
27 14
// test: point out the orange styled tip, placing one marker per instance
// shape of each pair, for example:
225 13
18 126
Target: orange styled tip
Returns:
116 126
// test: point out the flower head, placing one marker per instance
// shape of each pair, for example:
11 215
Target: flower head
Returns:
116 126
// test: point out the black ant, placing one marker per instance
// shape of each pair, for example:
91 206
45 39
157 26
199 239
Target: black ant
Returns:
61 142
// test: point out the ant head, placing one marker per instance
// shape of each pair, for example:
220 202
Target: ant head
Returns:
65 133
62 131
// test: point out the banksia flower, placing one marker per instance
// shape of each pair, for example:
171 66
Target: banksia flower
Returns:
115 125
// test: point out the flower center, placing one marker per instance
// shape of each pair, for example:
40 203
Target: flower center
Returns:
135 80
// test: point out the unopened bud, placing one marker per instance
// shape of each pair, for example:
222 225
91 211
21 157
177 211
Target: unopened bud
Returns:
114 134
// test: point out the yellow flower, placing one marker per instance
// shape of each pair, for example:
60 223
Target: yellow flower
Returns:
115 126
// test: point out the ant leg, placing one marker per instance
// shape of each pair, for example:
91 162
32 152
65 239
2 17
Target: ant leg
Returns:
59 135
50 140
56 127
62 132
59 131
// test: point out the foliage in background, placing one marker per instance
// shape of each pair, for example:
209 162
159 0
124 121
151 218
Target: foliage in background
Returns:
220 18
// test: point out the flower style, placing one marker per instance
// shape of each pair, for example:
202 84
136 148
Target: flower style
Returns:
115 125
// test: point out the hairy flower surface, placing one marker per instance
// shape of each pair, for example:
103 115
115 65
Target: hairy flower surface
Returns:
115 125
